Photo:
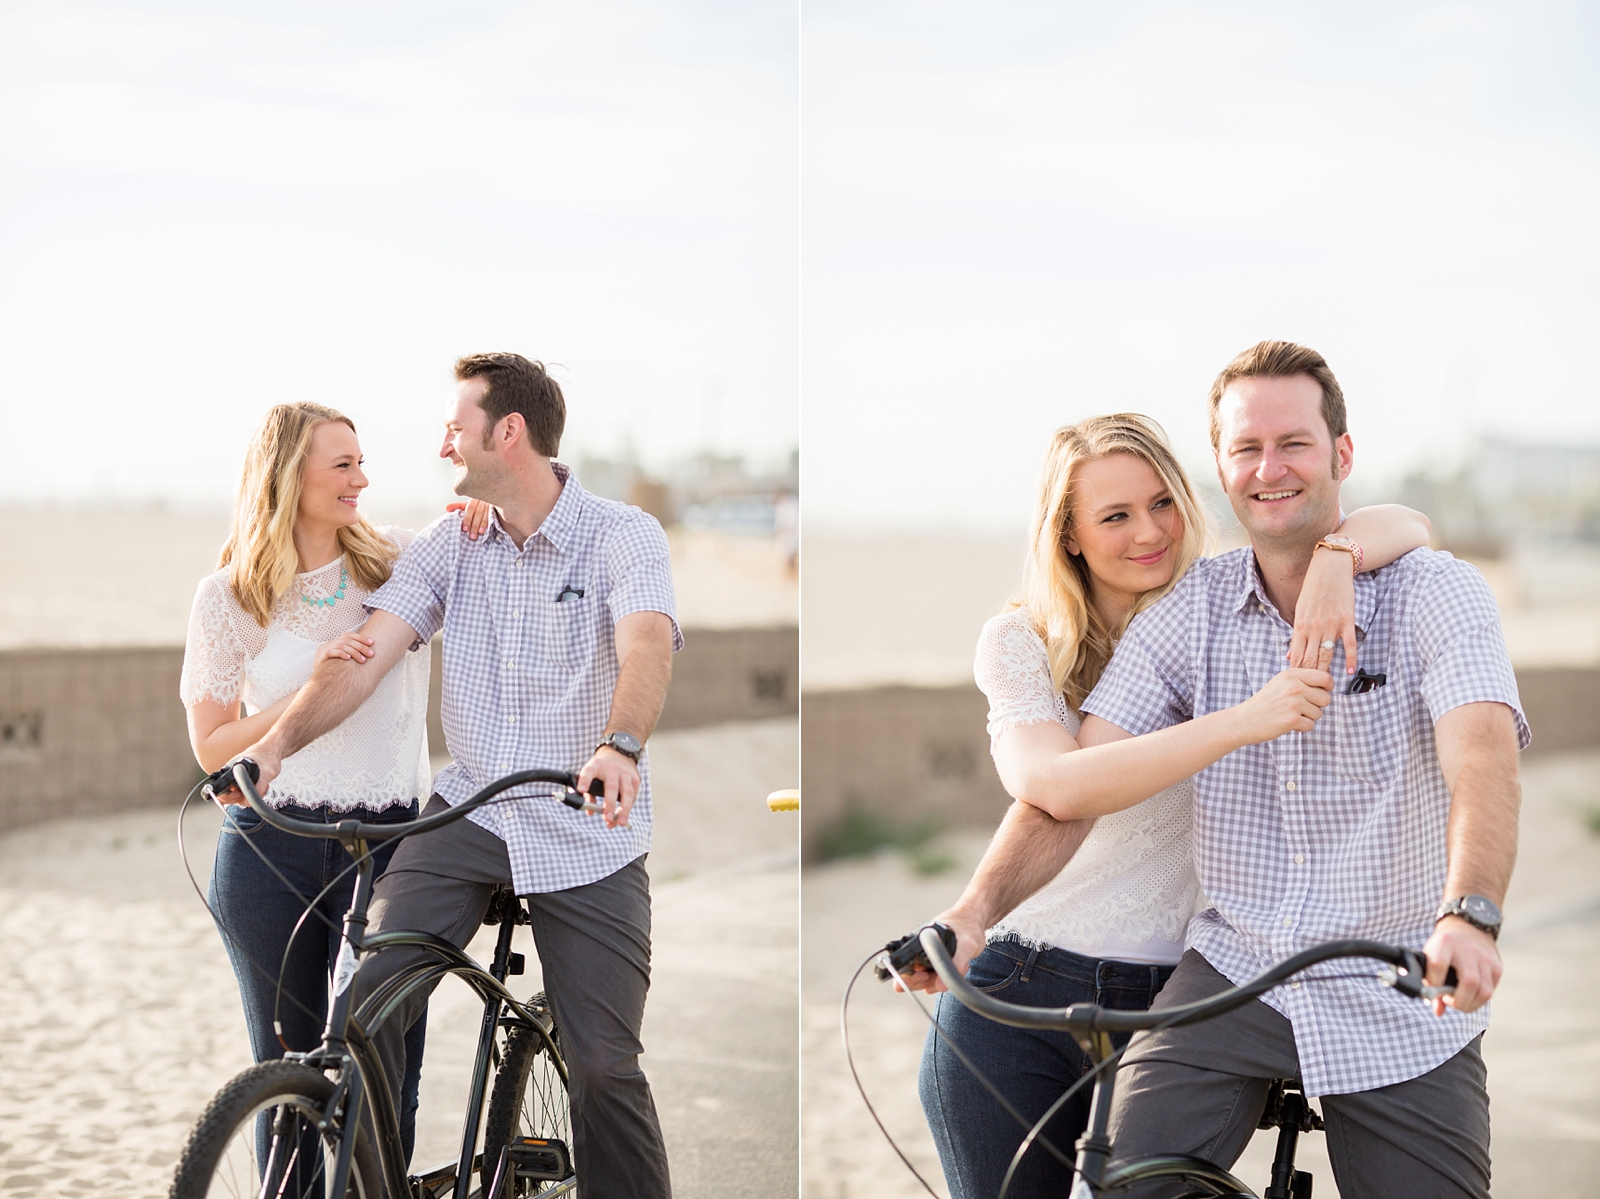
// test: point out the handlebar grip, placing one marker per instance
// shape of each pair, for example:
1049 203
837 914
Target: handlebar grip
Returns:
906 954
576 801
220 782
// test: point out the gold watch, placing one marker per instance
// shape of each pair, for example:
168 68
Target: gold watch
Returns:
1336 541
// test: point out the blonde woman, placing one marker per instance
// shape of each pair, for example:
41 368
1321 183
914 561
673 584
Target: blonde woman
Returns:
297 566
1116 525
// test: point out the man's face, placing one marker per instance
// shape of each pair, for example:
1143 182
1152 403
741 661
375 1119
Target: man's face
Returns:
1276 461
464 435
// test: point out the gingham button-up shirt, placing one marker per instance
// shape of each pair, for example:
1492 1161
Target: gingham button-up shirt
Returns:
1339 832
528 680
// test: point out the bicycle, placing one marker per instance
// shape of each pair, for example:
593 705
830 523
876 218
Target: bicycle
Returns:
298 1127
1095 1171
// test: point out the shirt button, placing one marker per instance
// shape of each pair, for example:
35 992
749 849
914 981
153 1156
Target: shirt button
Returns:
511 720
1299 859
1288 922
1290 785
1294 986
517 613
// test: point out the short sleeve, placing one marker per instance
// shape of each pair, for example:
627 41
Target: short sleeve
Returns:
1460 645
1149 683
213 656
416 590
1013 671
639 572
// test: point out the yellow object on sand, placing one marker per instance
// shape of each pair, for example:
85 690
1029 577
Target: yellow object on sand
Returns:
784 801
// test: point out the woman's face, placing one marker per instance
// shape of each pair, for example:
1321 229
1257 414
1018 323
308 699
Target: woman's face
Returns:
1126 525
333 480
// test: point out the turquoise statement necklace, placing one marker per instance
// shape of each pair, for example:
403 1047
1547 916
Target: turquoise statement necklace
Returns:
329 601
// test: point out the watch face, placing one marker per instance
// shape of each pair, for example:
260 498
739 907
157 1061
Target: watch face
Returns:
626 742
1481 909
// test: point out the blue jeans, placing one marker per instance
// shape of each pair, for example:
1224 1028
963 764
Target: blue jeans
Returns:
976 1137
256 913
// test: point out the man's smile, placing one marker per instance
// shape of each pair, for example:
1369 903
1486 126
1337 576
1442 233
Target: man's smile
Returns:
1268 497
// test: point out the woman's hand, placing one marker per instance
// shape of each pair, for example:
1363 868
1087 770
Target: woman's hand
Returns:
352 647
1325 613
1290 703
474 516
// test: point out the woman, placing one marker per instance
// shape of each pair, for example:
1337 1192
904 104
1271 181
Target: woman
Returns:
1117 524
297 566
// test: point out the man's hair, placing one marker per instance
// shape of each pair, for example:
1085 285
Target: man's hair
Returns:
515 384
1281 360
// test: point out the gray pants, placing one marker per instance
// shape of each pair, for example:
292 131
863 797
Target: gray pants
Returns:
594 951
1200 1089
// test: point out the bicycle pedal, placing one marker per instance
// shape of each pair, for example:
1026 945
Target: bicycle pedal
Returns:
538 1159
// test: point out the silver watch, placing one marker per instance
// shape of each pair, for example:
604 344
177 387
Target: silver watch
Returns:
624 743
1480 912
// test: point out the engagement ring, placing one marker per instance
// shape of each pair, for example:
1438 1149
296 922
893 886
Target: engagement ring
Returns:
1327 645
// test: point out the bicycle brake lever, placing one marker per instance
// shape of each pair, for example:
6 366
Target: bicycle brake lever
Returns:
220 782
576 801
906 955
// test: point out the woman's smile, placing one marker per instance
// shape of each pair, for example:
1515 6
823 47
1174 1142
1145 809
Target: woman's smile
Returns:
1151 558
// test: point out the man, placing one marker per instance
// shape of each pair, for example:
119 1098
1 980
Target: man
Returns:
559 632
1393 819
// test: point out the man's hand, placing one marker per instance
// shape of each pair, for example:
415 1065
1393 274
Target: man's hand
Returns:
970 940
620 774
1475 957
270 764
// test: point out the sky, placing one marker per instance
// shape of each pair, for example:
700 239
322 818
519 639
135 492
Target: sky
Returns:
1016 216
208 208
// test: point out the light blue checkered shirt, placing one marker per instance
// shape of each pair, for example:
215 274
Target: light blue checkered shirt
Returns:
1339 832
528 681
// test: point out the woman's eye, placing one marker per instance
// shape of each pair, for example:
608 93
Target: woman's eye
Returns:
1164 502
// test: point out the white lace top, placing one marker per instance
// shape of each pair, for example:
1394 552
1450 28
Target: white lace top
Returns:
1128 893
379 756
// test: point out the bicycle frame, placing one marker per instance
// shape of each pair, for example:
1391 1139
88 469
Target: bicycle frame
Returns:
346 1046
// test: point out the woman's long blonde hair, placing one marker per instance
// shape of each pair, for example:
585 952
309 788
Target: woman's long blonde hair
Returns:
260 554
1056 585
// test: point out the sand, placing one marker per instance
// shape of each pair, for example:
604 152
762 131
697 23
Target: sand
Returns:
119 1016
1543 1048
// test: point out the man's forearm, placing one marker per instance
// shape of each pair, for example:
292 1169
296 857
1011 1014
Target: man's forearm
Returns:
642 679
335 689
1478 755
1028 850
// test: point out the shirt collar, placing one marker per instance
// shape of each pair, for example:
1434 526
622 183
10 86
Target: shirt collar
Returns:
1254 591
560 527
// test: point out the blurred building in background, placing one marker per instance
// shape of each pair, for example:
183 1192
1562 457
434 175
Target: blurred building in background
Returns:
706 490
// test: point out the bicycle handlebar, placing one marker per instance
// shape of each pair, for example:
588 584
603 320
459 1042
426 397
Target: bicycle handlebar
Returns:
1080 1019
244 773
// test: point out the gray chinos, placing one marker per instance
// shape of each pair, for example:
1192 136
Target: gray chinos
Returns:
1201 1088
593 943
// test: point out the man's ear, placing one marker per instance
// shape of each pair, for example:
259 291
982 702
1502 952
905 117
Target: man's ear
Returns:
513 430
1344 457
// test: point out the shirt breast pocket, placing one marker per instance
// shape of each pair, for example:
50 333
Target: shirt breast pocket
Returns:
568 632
1366 736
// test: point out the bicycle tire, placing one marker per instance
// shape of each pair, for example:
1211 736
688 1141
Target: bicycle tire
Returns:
529 1099
222 1161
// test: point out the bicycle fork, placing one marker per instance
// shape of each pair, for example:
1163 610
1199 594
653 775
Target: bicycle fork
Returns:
1094 1146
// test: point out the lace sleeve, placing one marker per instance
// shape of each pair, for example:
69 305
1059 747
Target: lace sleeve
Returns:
400 538
1013 670
213 658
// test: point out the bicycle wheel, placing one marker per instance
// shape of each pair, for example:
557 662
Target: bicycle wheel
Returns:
529 1104
259 1138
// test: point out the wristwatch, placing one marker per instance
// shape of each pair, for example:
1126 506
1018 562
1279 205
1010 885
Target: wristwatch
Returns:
1476 910
1337 541
624 743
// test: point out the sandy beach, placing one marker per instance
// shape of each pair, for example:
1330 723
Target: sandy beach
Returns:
1543 1048
119 1016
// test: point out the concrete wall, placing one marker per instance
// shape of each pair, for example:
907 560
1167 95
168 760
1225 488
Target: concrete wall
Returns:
923 751
84 731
